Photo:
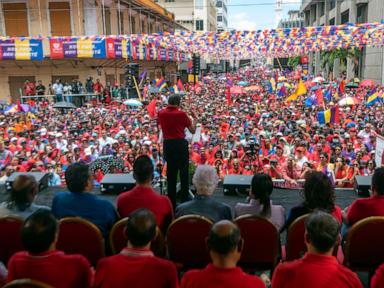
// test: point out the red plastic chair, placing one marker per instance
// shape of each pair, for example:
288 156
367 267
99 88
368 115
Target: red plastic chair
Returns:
364 250
261 250
79 236
26 283
186 241
10 237
118 240
296 248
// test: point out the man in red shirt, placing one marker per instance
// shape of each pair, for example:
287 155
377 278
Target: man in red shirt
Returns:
136 266
225 245
42 262
318 268
373 206
143 196
173 123
378 278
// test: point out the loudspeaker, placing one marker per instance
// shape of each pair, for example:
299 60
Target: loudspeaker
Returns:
362 185
236 184
131 71
117 183
41 178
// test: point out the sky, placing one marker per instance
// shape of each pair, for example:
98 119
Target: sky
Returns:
254 17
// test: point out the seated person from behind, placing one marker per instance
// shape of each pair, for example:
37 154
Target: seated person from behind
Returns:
136 266
225 246
318 194
42 262
24 191
260 202
378 278
205 181
80 202
321 235
143 196
372 206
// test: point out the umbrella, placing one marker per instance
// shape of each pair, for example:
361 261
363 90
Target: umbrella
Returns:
153 90
352 85
238 90
367 83
243 83
133 103
281 78
318 79
106 164
64 105
314 88
348 101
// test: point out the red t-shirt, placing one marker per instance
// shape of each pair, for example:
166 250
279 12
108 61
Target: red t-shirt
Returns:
214 277
363 208
135 268
173 122
53 268
143 197
378 278
314 271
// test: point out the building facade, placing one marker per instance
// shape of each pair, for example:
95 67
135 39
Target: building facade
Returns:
336 12
77 18
295 19
194 15
222 15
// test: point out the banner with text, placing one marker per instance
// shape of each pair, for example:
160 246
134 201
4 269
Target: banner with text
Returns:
21 49
75 47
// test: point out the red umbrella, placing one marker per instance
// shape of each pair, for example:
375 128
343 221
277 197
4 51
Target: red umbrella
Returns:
238 90
367 83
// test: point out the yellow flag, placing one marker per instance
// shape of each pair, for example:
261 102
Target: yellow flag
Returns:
84 48
293 97
301 90
22 50
124 48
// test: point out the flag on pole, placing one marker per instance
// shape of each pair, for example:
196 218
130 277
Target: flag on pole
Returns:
151 108
180 85
329 116
300 90
319 97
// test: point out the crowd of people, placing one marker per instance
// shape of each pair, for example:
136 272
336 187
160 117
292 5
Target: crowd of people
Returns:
244 133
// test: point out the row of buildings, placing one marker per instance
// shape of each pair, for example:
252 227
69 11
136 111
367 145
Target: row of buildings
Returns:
47 18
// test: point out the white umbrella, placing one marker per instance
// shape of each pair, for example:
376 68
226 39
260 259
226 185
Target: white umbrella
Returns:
133 103
318 79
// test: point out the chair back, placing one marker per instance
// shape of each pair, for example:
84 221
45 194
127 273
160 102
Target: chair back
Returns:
261 249
26 283
364 249
10 237
296 247
79 236
118 239
186 241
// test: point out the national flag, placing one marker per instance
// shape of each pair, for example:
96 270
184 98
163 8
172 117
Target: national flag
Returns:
180 85
329 115
319 97
161 84
283 91
300 90
342 87
174 89
372 99
142 77
151 108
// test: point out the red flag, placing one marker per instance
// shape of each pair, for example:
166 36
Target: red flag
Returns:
319 96
19 106
228 96
342 87
152 108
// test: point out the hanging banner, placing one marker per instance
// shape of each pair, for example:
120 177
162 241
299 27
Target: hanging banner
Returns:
21 49
379 151
75 47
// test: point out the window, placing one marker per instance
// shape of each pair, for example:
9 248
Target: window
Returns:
219 18
219 4
199 4
345 17
332 21
16 19
332 4
121 24
199 25
322 9
60 18
169 1
133 23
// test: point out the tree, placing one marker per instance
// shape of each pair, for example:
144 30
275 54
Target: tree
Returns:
329 57
293 62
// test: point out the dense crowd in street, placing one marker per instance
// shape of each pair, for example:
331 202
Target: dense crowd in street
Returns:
249 131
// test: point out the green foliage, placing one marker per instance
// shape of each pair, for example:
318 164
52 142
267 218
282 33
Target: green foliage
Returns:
293 61
329 57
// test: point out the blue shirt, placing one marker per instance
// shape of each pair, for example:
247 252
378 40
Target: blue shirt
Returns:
85 205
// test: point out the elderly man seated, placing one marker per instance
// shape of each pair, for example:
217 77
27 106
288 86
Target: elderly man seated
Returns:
205 180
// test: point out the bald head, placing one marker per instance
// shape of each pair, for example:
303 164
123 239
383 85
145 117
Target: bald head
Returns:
141 227
224 237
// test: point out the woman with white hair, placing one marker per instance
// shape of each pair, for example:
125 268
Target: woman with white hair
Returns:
205 181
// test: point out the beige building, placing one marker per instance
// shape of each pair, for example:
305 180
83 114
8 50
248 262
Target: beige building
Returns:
194 15
336 12
76 18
